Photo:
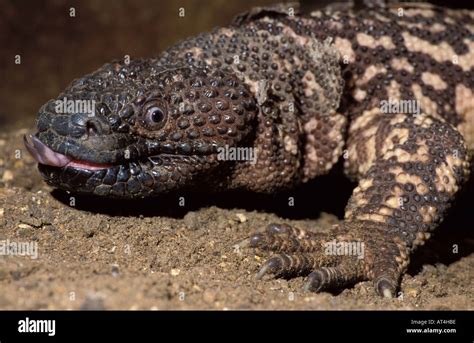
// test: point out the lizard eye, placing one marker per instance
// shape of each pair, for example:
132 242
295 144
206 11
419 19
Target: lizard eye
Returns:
155 114
154 117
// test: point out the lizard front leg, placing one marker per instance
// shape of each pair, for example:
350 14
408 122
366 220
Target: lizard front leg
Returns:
409 169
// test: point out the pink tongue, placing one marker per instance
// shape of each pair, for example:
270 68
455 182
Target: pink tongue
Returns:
43 154
88 165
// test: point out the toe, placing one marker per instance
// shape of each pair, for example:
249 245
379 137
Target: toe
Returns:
274 265
315 281
257 240
346 273
385 287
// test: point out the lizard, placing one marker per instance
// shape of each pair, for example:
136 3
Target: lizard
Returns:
304 90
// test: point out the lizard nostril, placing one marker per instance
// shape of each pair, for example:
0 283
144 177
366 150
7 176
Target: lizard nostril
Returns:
93 128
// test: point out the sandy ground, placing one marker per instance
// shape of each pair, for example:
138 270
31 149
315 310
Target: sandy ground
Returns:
154 254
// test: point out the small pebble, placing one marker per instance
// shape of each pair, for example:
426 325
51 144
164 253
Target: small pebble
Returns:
241 217
7 176
24 226
192 222
412 292
115 270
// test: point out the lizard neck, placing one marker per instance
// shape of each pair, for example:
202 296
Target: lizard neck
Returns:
296 82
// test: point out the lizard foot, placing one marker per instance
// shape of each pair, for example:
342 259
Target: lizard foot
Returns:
332 260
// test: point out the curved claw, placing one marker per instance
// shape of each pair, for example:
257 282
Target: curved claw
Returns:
385 287
270 267
315 282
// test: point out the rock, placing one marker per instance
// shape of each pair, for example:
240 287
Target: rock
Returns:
24 226
115 270
7 176
241 217
412 292
191 220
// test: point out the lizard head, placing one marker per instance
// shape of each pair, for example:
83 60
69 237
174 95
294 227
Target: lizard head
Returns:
140 129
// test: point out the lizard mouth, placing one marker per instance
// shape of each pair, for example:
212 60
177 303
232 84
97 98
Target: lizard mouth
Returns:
46 156
136 178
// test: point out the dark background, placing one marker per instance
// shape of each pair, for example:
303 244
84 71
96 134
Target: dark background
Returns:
56 48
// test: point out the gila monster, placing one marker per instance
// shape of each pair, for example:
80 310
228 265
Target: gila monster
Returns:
303 90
